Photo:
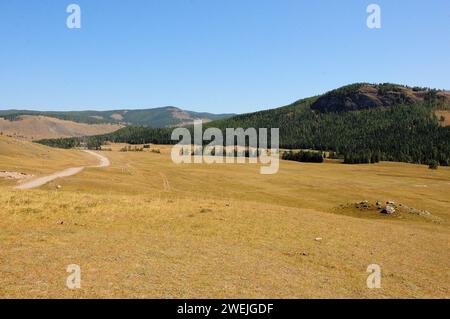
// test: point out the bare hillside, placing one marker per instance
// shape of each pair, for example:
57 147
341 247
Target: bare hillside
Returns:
39 127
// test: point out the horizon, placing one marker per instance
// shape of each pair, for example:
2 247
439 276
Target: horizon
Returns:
37 109
210 56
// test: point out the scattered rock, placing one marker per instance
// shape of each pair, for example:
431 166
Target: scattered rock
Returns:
363 205
14 175
388 208
419 212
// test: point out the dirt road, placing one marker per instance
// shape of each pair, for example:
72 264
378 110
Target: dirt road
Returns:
104 162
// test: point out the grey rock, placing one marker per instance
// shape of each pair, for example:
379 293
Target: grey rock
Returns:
388 210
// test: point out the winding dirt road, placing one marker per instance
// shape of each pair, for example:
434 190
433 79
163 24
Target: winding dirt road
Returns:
104 162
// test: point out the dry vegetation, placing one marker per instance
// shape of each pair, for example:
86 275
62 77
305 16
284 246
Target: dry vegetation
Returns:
144 227
28 158
30 127
443 115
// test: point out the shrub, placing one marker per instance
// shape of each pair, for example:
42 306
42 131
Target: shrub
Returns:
303 156
433 164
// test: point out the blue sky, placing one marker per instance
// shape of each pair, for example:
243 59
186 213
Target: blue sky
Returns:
213 55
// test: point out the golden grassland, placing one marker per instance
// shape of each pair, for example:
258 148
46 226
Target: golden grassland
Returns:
35 159
147 228
31 127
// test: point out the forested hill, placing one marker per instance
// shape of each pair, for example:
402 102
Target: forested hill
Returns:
394 121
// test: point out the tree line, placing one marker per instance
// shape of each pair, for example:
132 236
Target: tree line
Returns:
403 133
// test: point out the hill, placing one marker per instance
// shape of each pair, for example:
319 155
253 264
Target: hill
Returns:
366 96
32 127
403 128
156 117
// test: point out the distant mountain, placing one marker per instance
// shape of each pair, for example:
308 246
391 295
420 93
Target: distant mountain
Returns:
395 122
156 117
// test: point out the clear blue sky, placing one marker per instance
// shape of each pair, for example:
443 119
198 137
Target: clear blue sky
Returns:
213 55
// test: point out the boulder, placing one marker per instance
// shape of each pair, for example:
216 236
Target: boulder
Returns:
388 210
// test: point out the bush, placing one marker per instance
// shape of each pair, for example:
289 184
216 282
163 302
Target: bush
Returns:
433 164
93 144
362 158
303 156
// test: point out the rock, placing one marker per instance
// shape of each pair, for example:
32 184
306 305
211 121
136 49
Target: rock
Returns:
425 213
419 212
14 175
318 239
58 187
363 205
388 210
391 203
379 204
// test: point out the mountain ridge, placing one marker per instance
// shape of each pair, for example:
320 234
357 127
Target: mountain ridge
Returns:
154 117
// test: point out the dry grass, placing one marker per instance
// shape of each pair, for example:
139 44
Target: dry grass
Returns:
30 158
32 127
145 227
445 114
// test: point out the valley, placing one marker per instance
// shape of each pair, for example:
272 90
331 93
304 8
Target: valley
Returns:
146 227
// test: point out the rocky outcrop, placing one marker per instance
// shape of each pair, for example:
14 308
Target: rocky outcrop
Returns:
388 208
366 96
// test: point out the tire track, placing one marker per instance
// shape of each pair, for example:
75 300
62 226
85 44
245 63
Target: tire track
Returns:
166 184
